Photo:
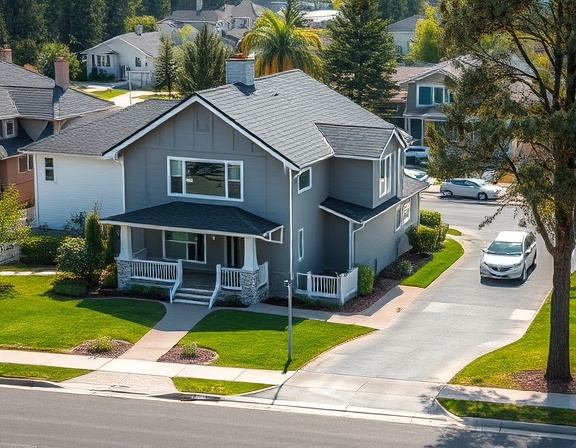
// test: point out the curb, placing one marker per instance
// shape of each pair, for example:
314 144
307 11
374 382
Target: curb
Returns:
26 382
511 425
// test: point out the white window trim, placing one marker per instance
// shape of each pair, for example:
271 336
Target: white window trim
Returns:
185 259
53 168
300 244
398 218
406 216
302 190
385 184
205 196
445 95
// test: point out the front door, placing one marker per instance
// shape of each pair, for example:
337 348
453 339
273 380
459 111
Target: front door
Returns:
234 252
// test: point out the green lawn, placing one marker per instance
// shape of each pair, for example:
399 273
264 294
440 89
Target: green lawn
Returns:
216 387
109 94
440 261
501 411
20 267
454 232
259 341
48 373
31 317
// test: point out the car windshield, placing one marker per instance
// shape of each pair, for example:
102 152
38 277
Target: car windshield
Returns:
505 248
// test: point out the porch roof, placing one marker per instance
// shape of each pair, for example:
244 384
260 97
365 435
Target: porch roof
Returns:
200 218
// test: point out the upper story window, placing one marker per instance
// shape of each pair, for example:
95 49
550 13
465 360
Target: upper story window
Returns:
25 163
386 175
305 180
138 62
7 128
49 169
103 60
208 179
433 95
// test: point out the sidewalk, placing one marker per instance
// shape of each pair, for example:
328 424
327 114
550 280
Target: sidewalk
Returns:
137 372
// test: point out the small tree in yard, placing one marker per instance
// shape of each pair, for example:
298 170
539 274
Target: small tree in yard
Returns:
166 65
11 227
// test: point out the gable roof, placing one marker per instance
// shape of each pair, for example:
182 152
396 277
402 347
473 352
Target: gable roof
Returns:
283 109
95 137
26 94
407 24
281 115
148 43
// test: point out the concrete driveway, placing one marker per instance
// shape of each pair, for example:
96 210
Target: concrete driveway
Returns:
452 322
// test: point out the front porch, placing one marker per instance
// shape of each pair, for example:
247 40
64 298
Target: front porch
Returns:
197 253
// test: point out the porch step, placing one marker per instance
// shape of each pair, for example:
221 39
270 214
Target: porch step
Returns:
192 295
191 302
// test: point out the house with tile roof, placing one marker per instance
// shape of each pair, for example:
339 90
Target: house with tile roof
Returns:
32 107
238 189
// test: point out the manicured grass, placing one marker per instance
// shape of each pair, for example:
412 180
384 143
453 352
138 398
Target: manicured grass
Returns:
501 411
454 232
108 94
49 373
19 267
259 341
440 261
31 317
216 387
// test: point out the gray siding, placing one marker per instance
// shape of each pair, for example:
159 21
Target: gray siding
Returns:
353 180
265 182
336 243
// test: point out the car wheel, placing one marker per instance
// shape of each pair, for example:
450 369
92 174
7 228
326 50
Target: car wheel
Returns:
482 196
446 193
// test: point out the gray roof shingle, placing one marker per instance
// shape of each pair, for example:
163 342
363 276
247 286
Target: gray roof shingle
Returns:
27 94
203 217
95 137
283 109
356 141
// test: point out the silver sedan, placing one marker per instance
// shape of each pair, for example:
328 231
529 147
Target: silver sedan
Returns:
470 188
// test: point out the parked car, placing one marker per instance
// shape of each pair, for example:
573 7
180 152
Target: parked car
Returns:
509 256
419 175
419 152
470 188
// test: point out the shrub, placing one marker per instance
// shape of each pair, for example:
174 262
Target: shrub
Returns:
399 269
365 279
430 218
101 345
423 239
442 231
109 277
40 249
74 226
230 301
190 350
69 285
152 292
73 257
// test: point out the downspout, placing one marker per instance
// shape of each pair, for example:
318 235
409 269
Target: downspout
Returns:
120 160
352 243
291 219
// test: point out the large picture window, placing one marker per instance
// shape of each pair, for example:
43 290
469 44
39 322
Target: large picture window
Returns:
205 178
385 175
433 95
185 246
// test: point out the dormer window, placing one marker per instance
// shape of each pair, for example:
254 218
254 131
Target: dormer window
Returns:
8 128
305 180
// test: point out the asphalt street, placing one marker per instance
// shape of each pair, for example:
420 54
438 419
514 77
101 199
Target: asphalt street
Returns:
452 322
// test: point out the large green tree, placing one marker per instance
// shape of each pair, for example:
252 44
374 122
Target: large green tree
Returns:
11 209
427 45
515 109
394 10
148 23
25 28
166 65
281 43
361 60
81 23
203 63
48 54
117 11
157 8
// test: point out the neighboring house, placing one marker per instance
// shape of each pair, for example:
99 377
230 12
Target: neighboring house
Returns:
134 52
32 107
403 33
421 96
241 188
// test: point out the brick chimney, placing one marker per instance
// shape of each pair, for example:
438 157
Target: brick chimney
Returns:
62 73
6 54
240 69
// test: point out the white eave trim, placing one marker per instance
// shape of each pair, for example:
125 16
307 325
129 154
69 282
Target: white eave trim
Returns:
111 153
347 218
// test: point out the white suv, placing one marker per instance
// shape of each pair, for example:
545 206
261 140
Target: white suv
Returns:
419 152
509 256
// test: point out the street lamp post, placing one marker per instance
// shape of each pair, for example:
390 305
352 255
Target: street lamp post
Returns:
289 286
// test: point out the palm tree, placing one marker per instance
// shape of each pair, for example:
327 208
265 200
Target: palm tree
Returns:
280 43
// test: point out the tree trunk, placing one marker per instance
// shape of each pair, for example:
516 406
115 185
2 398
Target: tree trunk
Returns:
558 368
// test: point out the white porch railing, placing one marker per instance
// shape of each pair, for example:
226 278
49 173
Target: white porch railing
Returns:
178 282
154 270
230 278
263 274
326 286
9 253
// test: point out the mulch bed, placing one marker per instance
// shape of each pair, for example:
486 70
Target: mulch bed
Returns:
119 347
533 380
203 356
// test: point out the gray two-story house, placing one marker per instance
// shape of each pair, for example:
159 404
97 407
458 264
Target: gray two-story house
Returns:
239 189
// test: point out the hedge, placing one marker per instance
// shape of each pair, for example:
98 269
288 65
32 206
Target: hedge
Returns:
365 279
40 249
423 239
430 218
